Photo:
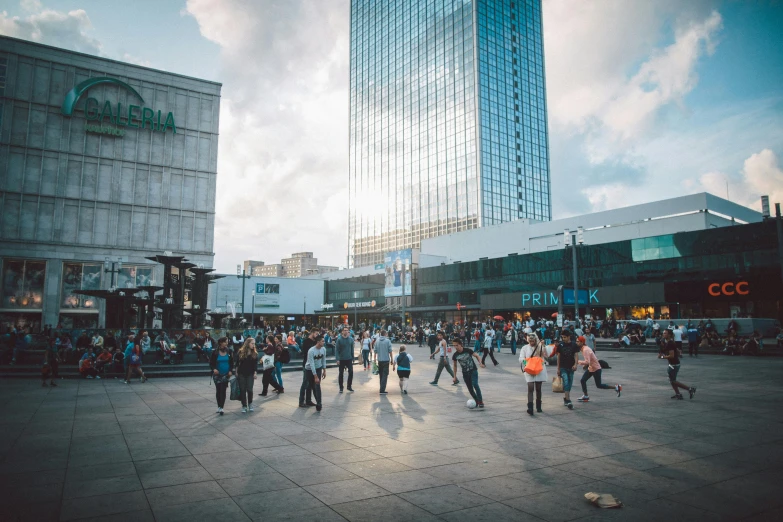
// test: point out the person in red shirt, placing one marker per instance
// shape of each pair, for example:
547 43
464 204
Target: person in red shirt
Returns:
590 362
102 360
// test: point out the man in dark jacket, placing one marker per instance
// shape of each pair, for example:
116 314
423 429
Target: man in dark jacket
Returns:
432 341
345 354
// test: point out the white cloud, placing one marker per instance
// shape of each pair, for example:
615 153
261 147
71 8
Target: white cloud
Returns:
761 175
283 157
68 30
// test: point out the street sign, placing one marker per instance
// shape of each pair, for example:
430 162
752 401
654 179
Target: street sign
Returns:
380 266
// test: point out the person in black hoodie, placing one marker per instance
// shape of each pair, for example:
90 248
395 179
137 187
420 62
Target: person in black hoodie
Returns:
268 375
221 362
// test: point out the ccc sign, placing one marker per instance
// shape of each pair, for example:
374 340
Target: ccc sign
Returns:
717 289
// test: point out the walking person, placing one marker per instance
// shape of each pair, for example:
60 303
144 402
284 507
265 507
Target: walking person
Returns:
306 391
512 334
693 341
282 356
316 369
567 352
590 362
489 346
221 362
52 360
366 350
404 360
383 356
344 352
672 355
533 348
443 352
134 363
246 372
464 356
268 376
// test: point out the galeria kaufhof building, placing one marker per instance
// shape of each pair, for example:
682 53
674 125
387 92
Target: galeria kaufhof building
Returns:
98 159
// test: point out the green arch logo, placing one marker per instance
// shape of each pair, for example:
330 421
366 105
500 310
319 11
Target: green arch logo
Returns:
74 94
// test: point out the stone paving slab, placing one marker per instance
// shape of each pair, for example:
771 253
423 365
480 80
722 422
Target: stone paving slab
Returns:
102 450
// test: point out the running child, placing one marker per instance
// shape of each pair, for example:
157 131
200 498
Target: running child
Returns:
404 360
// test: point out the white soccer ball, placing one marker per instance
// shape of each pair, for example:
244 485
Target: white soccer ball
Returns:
471 404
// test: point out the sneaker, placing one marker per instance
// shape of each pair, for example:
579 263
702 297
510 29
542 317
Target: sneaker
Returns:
570 405
54 384
311 403
219 410
144 378
584 398
618 389
126 381
341 390
89 376
481 405
677 396
455 383
434 383
350 389
281 390
251 408
244 409
384 392
405 392
318 407
303 405
692 391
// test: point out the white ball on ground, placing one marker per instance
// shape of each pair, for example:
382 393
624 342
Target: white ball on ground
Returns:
471 404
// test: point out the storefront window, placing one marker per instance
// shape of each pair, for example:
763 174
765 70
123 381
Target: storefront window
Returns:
134 276
23 284
80 276
652 248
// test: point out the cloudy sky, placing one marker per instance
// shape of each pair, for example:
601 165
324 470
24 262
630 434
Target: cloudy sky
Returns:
647 99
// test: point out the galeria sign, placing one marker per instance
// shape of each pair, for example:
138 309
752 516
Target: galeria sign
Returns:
133 116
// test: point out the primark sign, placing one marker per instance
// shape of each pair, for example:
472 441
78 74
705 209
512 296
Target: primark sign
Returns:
112 119
539 299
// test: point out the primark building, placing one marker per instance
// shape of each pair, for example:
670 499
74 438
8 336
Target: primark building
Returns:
102 165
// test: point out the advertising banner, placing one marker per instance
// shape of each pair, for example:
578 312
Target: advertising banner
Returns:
267 295
394 262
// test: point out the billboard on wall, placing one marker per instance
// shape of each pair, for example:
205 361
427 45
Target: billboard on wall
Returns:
267 295
393 264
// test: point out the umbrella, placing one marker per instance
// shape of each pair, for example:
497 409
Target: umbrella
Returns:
554 315
498 318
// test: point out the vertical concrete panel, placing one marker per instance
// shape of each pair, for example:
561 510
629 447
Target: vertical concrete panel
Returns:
104 181
19 118
86 223
124 227
41 83
11 216
13 178
186 232
49 177
126 184
152 234
69 223
27 217
178 149
172 236
189 191
155 187
142 185
32 172
73 179
57 87
191 151
175 190
45 220
158 140
36 130
138 230
90 180
102 216
54 130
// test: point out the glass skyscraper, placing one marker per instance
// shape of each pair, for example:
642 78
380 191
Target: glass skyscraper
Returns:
448 127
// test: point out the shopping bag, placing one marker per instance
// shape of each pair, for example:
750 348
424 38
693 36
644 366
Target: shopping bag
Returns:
234 384
534 365
268 362
375 368
557 384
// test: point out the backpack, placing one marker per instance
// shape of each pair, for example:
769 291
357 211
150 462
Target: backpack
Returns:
285 356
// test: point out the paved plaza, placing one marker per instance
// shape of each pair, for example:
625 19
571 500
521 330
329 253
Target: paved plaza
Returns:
103 450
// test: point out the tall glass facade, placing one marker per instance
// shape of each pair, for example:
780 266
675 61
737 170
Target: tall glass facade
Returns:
447 120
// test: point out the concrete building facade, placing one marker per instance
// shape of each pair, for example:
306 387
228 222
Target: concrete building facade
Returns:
98 159
300 264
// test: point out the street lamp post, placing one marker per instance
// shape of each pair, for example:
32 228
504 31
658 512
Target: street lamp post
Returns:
252 308
573 242
109 263
241 275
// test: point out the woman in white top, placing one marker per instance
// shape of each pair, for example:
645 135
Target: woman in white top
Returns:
534 348
366 350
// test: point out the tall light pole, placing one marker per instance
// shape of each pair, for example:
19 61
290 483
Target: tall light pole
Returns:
573 241
252 308
241 275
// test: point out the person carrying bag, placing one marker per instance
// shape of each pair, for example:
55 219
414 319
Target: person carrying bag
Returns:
532 365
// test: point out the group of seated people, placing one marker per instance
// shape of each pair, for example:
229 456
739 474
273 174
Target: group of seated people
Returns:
92 366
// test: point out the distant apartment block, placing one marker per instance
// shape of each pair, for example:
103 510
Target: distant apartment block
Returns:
298 265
